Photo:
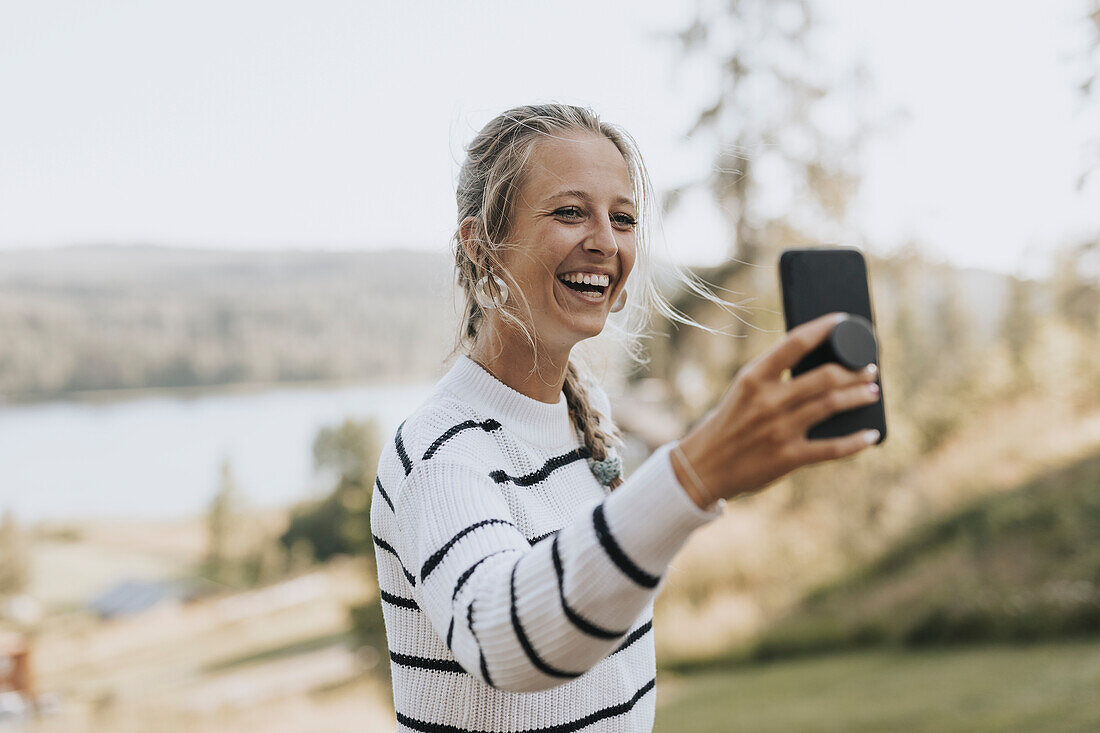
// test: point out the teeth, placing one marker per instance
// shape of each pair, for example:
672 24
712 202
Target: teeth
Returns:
587 278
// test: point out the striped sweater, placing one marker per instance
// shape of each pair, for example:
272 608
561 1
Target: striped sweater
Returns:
517 591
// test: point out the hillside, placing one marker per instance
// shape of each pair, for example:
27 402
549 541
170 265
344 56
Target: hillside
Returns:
113 317
125 317
1021 565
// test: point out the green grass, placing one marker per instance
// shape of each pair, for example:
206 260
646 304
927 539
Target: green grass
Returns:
1018 566
1050 687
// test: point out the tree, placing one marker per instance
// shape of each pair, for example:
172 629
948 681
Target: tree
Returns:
1018 327
784 172
915 356
340 523
1076 286
1078 267
1090 87
222 523
953 326
14 556
767 122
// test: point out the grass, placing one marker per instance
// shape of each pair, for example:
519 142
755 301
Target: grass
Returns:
1019 566
1049 687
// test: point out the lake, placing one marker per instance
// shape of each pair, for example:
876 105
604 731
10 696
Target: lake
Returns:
161 455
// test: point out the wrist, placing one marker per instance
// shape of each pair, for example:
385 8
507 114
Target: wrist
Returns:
689 479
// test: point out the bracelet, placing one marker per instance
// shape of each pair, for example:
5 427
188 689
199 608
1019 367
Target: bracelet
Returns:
695 477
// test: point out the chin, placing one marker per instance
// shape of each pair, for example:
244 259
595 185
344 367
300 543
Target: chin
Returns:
587 333
573 336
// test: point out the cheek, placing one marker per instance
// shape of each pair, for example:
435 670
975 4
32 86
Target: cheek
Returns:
628 255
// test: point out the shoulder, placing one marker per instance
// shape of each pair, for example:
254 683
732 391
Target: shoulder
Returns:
443 428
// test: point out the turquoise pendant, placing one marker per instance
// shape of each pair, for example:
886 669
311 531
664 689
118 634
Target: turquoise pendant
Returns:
606 470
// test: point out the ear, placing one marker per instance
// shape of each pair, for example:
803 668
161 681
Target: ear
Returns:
468 234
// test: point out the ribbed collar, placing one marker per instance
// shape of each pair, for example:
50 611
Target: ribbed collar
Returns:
537 422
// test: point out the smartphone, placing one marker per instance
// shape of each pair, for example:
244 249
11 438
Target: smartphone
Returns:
819 281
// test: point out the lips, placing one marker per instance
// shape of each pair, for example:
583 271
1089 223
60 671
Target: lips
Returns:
595 295
590 279
590 288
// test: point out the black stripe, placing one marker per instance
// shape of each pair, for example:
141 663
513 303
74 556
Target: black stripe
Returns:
393 600
611 547
470 624
570 727
488 426
579 621
636 634
462 581
378 485
386 546
437 557
401 450
548 468
450 631
470 571
541 537
524 642
439 665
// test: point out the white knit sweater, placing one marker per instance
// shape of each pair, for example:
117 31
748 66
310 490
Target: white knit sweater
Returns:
517 591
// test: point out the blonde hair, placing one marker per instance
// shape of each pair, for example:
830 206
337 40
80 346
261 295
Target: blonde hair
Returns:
488 181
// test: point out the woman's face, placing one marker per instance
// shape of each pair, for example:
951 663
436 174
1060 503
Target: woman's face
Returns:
574 216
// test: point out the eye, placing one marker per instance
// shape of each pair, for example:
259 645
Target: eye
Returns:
569 212
625 220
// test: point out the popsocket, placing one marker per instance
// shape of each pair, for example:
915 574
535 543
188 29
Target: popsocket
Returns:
852 343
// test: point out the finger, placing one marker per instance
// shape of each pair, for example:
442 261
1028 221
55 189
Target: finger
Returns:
816 451
834 401
800 341
822 379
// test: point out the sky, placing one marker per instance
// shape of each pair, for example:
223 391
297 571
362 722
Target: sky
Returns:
340 124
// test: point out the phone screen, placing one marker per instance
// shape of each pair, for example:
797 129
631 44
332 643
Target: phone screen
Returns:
819 281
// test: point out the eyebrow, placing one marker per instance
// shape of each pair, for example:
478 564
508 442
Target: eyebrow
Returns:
586 197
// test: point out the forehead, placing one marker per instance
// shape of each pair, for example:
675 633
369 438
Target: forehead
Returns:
577 160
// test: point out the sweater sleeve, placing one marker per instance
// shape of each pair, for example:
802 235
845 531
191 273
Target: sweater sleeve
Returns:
526 618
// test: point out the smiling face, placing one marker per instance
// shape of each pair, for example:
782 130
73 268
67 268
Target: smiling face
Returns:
574 220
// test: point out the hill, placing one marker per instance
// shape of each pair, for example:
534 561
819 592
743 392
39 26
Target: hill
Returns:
1015 566
119 317
125 317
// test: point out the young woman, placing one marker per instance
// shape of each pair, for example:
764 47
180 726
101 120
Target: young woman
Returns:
517 568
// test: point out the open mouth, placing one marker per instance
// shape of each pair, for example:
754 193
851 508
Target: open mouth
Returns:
593 285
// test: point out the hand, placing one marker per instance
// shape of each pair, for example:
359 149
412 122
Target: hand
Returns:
757 433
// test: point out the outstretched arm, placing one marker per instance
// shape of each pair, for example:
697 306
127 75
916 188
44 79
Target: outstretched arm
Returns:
526 618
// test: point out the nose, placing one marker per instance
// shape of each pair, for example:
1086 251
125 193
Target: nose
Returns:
602 240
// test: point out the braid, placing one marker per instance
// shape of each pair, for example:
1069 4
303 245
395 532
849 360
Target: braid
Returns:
587 420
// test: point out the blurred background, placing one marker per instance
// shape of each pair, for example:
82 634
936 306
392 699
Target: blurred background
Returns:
225 279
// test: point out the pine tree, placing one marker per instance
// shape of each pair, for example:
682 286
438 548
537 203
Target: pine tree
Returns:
339 523
14 556
779 177
1017 329
222 522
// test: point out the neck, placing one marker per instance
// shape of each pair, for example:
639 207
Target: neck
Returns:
509 359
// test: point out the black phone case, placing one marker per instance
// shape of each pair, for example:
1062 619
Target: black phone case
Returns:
819 281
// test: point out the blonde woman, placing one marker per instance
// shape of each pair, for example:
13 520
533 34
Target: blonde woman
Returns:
517 567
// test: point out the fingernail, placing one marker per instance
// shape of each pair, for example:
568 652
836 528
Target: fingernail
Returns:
839 317
870 436
870 370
